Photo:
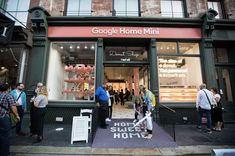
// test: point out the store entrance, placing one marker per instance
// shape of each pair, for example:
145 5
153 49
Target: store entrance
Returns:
125 82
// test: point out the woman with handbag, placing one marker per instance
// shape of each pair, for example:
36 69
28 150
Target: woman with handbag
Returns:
7 103
40 104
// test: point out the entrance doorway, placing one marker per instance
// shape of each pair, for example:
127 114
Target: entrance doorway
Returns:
125 82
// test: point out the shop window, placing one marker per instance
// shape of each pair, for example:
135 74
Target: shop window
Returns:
79 8
221 55
167 47
188 48
216 5
71 71
179 75
126 8
125 54
172 8
18 9
10 61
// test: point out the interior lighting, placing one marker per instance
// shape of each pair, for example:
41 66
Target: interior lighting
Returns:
78 47
92 47
61 47
70 47
85 47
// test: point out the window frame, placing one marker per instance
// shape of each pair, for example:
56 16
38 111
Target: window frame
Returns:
114 11
223 10
65 13
184 9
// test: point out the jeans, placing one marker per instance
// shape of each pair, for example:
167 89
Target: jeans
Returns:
21 114
208 116
5 128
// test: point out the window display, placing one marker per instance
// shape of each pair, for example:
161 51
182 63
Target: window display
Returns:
75 75
179 76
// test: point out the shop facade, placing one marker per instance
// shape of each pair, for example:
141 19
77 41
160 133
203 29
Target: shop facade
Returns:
170 57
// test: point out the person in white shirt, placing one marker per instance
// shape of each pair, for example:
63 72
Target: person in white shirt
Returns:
203 104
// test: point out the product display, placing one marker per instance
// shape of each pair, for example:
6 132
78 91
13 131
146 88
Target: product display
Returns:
80 82
178 94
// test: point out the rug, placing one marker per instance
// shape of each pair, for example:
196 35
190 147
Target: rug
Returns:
121 134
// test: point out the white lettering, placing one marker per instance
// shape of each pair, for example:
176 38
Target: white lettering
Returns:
151 31
116 135
135 134
109 32
124 129
4 32
124 135
113 129
130 31
116 124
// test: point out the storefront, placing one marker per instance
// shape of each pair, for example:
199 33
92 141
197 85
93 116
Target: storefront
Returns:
171 58
14 51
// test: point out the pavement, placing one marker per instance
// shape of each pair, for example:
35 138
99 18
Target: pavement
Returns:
189 141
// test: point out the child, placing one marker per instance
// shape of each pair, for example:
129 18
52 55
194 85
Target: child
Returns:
137 108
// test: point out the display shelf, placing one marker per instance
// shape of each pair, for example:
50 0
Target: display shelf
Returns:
178 94
79 81
79 92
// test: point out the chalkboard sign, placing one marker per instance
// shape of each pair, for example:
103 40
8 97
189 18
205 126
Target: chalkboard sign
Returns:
79 129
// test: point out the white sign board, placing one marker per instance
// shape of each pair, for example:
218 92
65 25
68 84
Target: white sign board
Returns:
79 129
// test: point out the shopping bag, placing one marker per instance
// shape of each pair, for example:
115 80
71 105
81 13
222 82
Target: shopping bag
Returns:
204 120
14 119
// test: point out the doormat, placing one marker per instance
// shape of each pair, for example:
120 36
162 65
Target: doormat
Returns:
121 134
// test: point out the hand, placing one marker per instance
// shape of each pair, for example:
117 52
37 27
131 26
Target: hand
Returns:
98 104
18 117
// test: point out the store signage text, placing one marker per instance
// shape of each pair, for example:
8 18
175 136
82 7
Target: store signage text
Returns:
4 32
124 30
125 130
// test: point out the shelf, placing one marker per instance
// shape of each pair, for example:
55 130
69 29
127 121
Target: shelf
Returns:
78 92
79 81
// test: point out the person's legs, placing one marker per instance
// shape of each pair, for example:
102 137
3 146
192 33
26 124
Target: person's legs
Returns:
199 118
209 123
18 125
5 128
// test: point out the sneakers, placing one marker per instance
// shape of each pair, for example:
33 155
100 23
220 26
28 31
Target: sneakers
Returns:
108 120
135 120
149 136
208 131
144 134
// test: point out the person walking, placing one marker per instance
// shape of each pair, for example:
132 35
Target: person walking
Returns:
20 98
101 100
7 103
203 106
147 99
40 104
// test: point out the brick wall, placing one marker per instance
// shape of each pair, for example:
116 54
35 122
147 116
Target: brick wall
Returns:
102 7
54 7
150 8
230 8
196 7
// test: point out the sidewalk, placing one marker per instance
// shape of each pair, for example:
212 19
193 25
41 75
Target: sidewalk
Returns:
189 141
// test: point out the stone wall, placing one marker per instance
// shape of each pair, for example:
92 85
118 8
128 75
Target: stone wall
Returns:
150 8
230 8
54 7
102 7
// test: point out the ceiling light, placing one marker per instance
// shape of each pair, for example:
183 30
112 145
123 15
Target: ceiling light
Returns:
61 47
85 47
78 47
92 47
70 47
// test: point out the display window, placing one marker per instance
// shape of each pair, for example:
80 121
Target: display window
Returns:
71 71
179 75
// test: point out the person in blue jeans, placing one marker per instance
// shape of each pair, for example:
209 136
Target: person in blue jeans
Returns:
101 99
7 103
203 105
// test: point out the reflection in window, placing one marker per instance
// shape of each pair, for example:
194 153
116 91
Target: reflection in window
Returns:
179 76
216 5
220 55
71 71
79 8
126 8
18 9
172 8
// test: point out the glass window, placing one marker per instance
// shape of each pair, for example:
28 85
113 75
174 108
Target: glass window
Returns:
18 9
216 5
125 54
126 8
166 47
79 8
188 48
74 76
220 55
172 8
179 76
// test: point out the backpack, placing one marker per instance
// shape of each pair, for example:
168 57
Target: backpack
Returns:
153 98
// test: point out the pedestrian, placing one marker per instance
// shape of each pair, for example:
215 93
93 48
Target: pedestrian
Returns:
217 111
121 96
203 105
20 98
101 100
116 95
40 104
138 108
32 109
147 99
7 103
111 101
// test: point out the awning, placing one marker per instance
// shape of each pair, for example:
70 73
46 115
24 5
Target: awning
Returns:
6 29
